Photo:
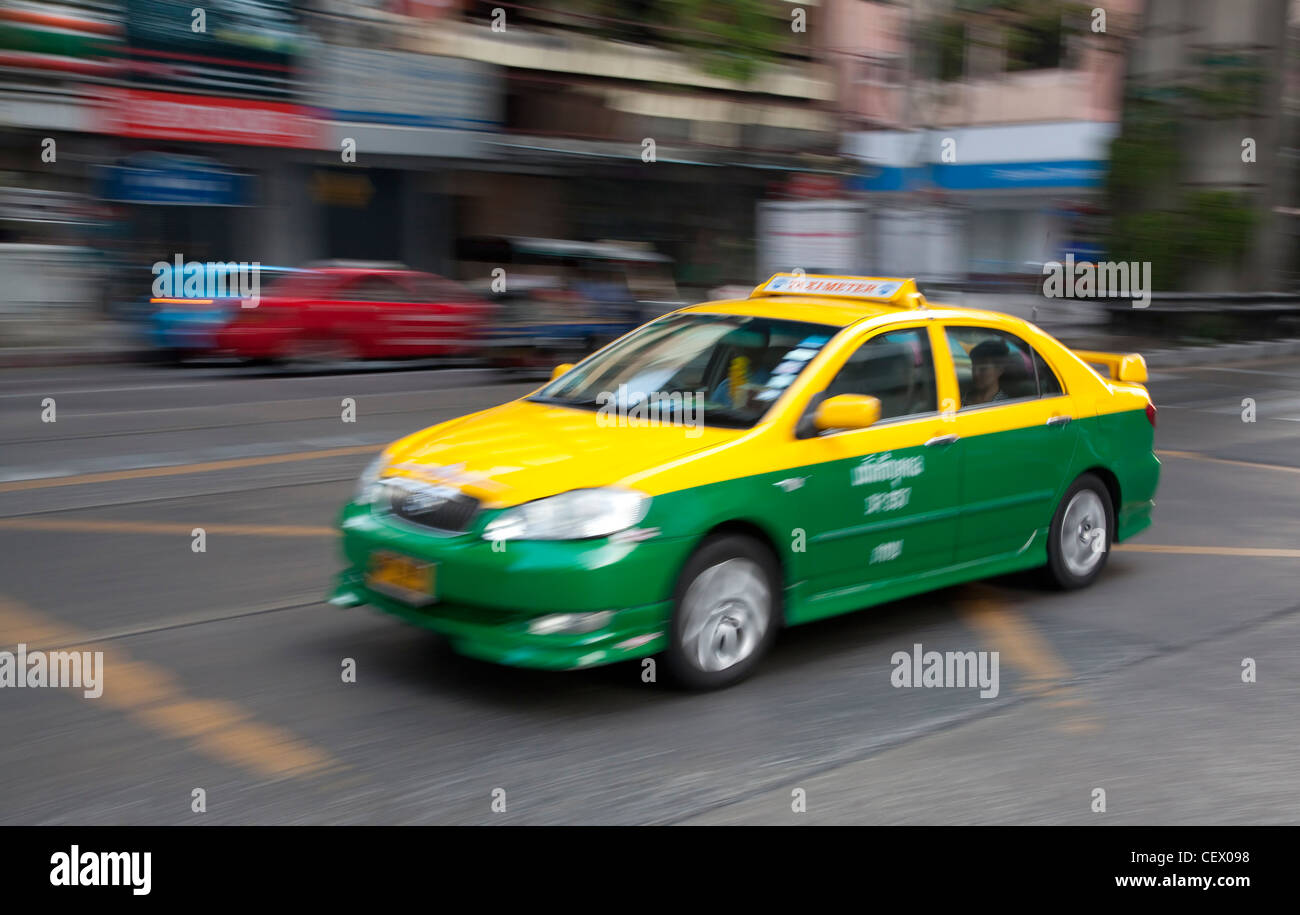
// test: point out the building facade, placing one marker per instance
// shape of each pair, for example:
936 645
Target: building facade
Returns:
981 131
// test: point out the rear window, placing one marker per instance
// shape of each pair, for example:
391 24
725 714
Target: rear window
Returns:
374 289
994 366
429 288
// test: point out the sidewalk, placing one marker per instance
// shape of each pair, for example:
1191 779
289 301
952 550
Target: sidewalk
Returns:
26 343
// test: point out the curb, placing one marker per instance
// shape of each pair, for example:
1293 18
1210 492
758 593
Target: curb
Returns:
34 356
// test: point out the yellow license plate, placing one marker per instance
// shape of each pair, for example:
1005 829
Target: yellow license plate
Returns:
406 579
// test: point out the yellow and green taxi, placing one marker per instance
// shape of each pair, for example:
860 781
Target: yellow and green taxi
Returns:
733 467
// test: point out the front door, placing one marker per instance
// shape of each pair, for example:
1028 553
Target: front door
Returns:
883 498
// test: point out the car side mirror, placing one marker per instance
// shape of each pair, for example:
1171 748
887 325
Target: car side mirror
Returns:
560 369
1132 368
847 411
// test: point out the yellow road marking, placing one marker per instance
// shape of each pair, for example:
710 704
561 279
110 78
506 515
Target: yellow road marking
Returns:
1019 643
1265 552
152 696
1194 456
141 473
161 527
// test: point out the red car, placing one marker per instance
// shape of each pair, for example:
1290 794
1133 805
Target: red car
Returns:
354 312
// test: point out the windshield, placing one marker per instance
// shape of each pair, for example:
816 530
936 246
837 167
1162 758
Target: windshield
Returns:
727 368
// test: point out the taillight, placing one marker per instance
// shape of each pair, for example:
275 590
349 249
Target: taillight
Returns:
1151 414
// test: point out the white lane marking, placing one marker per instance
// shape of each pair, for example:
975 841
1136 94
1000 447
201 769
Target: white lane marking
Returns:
1263 406
1250 372
192 385
185 458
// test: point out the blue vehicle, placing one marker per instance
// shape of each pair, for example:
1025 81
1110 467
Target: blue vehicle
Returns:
180 327
560 300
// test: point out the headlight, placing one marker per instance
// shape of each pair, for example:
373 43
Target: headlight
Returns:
577 515
368 488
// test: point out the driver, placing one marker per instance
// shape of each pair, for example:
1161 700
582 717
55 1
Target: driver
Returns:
756 369
988 362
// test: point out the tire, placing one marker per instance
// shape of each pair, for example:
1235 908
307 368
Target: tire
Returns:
169 357
317 352
727 609
1082 531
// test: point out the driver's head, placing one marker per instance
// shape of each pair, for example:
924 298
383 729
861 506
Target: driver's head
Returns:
988 362
767 357
747 343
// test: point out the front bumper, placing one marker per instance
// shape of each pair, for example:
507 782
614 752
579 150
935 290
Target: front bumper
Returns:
487 598
189 332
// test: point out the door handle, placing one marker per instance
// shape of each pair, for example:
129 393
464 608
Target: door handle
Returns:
942 440
1059 420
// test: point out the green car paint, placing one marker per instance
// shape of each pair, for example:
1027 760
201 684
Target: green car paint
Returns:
979 507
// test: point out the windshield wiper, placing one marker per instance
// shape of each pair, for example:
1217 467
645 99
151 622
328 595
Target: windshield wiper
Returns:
728 417
565 402
725 417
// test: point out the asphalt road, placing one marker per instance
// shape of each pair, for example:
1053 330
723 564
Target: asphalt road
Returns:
223 668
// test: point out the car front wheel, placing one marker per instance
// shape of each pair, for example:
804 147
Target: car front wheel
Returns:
1082 531
726 614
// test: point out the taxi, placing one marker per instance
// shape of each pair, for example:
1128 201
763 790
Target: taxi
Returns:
734 467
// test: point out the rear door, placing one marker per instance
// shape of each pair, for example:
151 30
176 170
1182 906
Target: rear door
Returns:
441 317
1017 437
376 305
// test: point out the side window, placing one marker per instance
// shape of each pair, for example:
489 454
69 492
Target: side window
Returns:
1048 384
895 367
993 366
375 289
436 289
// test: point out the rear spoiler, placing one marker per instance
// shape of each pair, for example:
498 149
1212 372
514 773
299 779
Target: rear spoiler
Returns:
1128 367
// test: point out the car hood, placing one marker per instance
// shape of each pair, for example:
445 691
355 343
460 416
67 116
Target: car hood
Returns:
523 450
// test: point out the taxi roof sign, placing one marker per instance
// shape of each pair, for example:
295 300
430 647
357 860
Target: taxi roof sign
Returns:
897 291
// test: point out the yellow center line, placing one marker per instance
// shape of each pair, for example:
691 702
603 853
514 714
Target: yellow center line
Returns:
161 527
1266 552
1016 640
141 473
1194 456
153 697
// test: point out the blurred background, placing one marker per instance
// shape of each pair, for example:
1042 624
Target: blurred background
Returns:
443 199
964 143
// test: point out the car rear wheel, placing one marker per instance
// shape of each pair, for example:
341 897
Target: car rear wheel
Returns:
314 352
726 614
1081 534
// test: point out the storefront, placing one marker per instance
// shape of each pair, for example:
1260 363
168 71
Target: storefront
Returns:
993 202
396 129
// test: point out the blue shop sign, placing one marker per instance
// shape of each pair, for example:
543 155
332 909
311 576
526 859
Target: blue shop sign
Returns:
1073 173
176 180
